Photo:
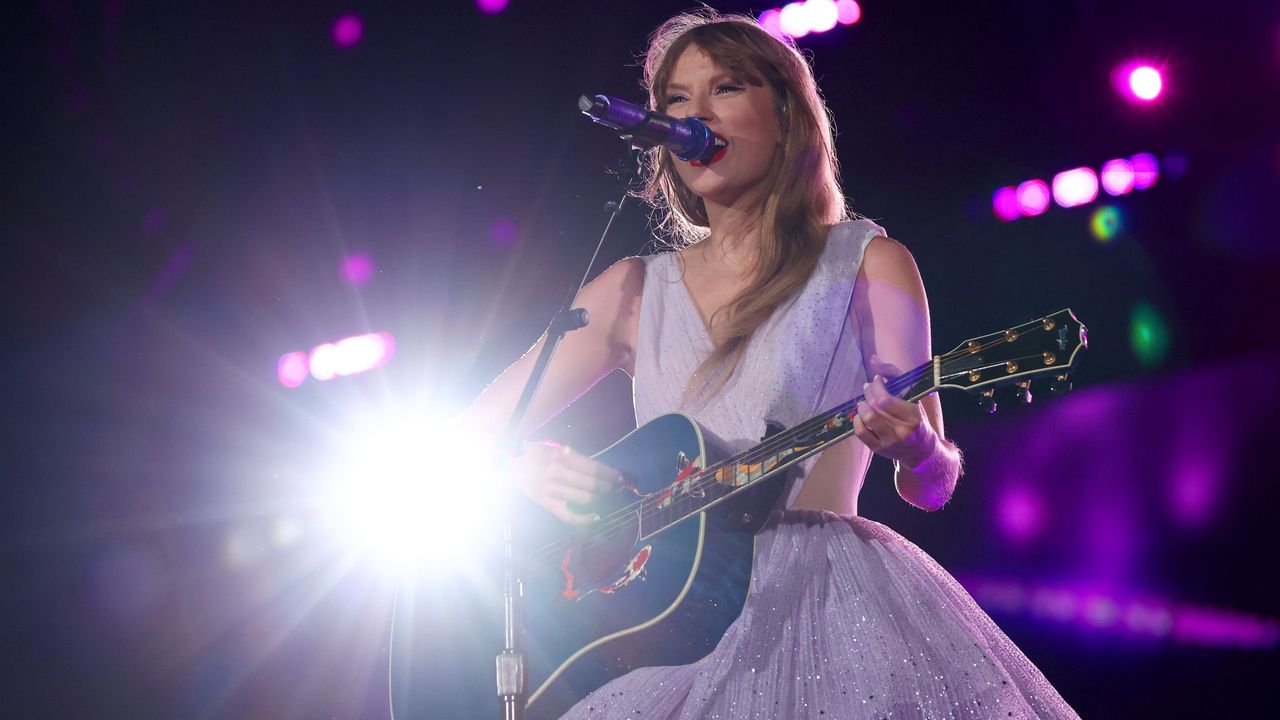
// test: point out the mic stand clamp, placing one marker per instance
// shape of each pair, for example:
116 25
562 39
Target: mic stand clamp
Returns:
511 676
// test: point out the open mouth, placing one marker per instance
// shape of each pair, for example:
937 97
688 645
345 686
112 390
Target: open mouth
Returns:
724 147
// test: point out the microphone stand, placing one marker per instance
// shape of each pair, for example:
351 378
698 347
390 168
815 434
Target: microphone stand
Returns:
512 688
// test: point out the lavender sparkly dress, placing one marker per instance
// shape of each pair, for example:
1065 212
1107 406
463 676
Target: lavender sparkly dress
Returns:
845 618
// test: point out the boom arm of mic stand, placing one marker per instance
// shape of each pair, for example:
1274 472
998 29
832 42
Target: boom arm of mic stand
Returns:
511 676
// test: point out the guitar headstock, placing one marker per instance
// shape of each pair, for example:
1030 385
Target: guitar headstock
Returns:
1048 346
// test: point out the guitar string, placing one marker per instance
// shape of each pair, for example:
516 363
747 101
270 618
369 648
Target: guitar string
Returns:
770 447
624 519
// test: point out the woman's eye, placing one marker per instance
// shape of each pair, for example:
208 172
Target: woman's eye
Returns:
675 99
728 88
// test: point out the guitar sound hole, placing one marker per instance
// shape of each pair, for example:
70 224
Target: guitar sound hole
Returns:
602 552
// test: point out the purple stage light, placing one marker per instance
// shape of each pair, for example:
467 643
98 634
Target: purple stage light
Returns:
357 269
795 20
323 361
347 31
491 7
1117 177
1075 187
1004 203
503 232
291 369
1101 610
1146 170
1020 513
1033 197
848 12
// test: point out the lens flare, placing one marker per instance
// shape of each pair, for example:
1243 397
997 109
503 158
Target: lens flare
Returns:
1148 335
1105 223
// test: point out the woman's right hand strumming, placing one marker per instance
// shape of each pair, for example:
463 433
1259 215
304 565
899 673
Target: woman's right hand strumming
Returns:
566 483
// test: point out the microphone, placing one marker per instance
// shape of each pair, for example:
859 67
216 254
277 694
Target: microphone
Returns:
686 138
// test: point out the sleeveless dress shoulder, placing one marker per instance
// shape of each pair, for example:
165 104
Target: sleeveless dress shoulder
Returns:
845 618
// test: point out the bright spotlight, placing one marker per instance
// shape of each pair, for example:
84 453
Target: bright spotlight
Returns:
848 12
407 494
1138 81
823 15
1072 188
795 20
1145 83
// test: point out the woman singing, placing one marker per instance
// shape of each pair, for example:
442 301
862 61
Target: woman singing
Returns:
777 306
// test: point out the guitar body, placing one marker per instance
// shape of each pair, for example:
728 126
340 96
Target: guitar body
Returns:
620 602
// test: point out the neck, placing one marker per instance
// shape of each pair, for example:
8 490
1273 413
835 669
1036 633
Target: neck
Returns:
735 235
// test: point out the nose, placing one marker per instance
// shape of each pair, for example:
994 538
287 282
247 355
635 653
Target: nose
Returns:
700 107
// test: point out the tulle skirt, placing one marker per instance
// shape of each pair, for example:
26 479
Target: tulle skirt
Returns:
846 619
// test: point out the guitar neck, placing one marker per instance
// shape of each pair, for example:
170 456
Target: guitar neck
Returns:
703 489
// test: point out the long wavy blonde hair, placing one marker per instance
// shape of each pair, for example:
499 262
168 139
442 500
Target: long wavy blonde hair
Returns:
801 195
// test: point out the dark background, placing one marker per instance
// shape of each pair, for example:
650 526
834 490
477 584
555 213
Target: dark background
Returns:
182 180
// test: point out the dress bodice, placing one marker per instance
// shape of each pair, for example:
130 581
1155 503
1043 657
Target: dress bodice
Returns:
805 359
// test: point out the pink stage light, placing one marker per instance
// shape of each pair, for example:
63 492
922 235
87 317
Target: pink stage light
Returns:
1138 81
1117 177
848 12
348 356
291 369
1033 197
1146 170
795 20
1004 203
347 31
357 269
822 15
491 7
771 21
1072 188
1145 83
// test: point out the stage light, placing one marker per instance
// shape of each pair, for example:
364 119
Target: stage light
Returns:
347 31
357 269
1117 177
1072 188
349 356
1146 83
406 493
1033 197
1148 335
1105 223
822 15
1138 81
1004 203
1146 170
291 369
848 12
771 21
1106 611
795 20
1020 513
492 7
